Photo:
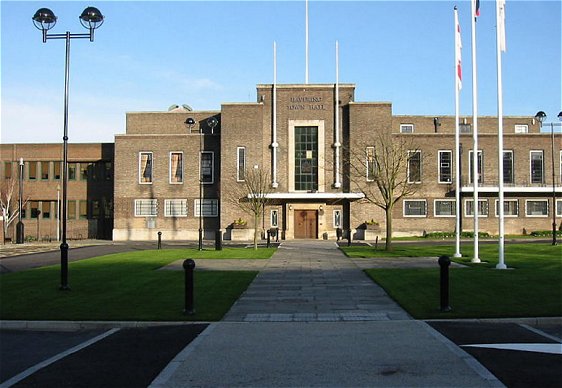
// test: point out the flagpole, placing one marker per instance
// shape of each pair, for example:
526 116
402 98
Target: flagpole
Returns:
457 138
337 143
306 44
475 207
499 48
274 143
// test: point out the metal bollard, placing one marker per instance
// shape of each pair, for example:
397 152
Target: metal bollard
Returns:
444 263
276 234
218 240
159 240
377 243
188 266
268 238
338 234
349 237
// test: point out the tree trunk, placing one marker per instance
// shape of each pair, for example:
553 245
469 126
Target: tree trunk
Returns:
388 213
256 223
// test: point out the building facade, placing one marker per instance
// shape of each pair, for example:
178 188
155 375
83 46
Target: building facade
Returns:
90 189
180 170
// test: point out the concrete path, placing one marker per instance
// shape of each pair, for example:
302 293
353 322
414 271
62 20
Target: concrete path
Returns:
313 318
313 281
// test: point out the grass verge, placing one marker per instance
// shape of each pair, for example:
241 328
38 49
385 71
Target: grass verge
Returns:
125 286
531 288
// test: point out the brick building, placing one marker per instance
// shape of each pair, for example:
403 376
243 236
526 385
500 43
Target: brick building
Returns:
90 189
295 134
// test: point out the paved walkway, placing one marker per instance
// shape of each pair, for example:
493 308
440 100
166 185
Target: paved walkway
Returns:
313 318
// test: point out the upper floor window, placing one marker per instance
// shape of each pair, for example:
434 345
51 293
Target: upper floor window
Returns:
370 163
8 169
537 166
241 164
445 166
521 128
145 167
414 166
207 167
508 167
176 167
465 128
45 170
71 171
306 158
146 207
470 164
32 170
57 169
406 128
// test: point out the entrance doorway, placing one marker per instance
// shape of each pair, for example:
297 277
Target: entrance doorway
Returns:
306 224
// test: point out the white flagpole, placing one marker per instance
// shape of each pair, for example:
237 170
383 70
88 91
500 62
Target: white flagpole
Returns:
337 143
457 139
500 4
274 143
306 44
475 208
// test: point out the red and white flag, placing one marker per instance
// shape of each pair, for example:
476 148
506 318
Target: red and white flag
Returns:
476 8
458 49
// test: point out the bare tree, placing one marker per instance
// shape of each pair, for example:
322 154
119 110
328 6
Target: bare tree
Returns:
252 196
9 199
381 173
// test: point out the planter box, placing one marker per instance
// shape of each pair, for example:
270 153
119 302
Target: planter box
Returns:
245 234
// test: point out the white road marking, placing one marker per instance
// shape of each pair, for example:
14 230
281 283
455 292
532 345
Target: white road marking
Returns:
538 348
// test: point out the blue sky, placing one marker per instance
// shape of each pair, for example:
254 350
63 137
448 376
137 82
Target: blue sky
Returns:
150 55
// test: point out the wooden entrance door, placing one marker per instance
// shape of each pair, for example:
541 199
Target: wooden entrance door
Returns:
306 224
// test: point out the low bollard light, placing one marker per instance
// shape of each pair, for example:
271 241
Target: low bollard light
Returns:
268 238
189 266
444 263
218 240
159 240
349 237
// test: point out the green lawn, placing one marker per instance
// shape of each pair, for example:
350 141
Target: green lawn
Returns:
126 286
533 287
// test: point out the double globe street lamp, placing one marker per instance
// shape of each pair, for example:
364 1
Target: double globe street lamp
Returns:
44 19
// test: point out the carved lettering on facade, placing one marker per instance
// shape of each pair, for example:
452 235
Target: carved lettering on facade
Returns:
306 103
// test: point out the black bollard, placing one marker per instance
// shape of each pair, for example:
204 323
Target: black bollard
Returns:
349 237
218 240
188 266
276 234
268 238
377 243
338 234
444 263
159 240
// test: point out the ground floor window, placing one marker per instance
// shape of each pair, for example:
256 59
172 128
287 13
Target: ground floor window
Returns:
274 219
337 218
482 208
536 207
510 208
146 207
444 207
559 208
207 207
415 208
175 208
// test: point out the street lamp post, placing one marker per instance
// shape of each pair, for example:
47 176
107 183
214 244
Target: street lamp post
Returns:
44 19
19 225
541 116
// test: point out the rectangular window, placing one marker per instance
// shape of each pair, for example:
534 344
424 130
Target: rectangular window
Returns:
175 208
482 208
57 169
510 208
34 206
337 219
71 171
536 208
96 209
83 209
146 207
508 177
8 169
406 128
559 208
370 163
45 170
444 208
274 219
470 165
176 167
414 166
84 170
207 167
32 170
46 209
145 167
521 128
209 208
445 166
415 208
465 128
107 208
240 164
537 167
306 158
71 210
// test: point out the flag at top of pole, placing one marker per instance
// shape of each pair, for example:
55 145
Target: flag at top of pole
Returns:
458 49
476 8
